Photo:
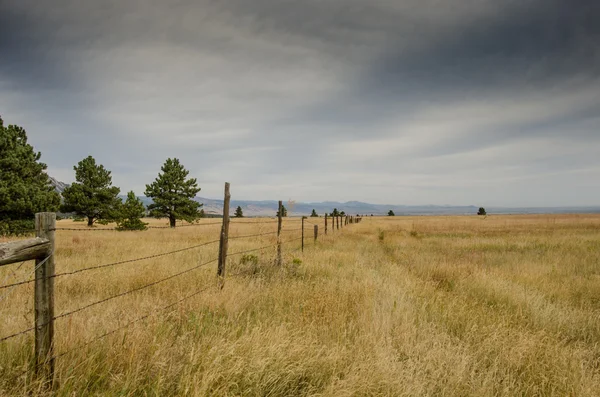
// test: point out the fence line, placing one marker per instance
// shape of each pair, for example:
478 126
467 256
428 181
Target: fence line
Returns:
42 250
66 314
112 264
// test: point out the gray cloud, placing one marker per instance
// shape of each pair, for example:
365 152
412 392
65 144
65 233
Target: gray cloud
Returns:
483 102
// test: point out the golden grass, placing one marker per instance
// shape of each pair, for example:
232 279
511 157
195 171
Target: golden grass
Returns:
455 306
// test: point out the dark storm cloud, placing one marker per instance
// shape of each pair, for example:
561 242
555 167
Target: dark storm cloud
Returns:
300 98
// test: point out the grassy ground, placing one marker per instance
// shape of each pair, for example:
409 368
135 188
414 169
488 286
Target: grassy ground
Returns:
455 306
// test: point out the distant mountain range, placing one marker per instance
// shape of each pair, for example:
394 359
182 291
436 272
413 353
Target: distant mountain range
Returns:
269 207
58 185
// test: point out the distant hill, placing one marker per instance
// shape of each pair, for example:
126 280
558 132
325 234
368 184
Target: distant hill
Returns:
269 207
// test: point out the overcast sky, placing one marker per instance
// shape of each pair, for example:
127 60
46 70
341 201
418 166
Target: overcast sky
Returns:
483 102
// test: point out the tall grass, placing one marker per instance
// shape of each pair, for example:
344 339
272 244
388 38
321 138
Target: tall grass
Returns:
507 305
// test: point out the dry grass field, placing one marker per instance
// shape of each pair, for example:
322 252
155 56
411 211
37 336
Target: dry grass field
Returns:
398 306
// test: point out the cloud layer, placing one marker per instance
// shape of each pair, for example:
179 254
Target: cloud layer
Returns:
408 102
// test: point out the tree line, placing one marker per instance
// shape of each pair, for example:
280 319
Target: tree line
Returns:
25 189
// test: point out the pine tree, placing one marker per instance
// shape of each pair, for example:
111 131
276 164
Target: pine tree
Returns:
391 213
335 212
314 214
173 194
92 195
481 211
238 212
24 186
131 213
202 214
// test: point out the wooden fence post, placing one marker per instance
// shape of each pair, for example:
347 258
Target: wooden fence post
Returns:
337 222
279 215
316 229
45 225
224 240
326 224
303 234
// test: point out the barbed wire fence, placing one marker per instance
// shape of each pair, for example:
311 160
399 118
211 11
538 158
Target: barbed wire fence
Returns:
42 250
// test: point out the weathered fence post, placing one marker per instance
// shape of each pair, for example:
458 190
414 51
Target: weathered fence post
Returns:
224 240
303 233
316 229
279 215
45 225
326 224
337 222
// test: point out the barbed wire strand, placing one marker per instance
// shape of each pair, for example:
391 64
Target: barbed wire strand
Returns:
13 273
126 325
251 250
113 264
251 222
125 230
21 282
251 235
66 314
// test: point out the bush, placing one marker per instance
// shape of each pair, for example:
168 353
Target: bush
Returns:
17 227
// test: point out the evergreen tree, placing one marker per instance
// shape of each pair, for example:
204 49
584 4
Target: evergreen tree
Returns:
202 213
481 211
335 212
391 213
283 211
92 195
342 213
131 214
314 214
24 186
238 212
173 194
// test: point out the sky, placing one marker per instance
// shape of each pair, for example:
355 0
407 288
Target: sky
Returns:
464 102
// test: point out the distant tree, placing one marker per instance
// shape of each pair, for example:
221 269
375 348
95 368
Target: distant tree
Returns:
283 211
314 214
481 211
202 214
342 213
173 193
391 213
131 213
24 186
335 212
238 212
92 195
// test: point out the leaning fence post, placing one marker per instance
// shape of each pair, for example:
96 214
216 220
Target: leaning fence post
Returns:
45 225
224 240
316 230
279 219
